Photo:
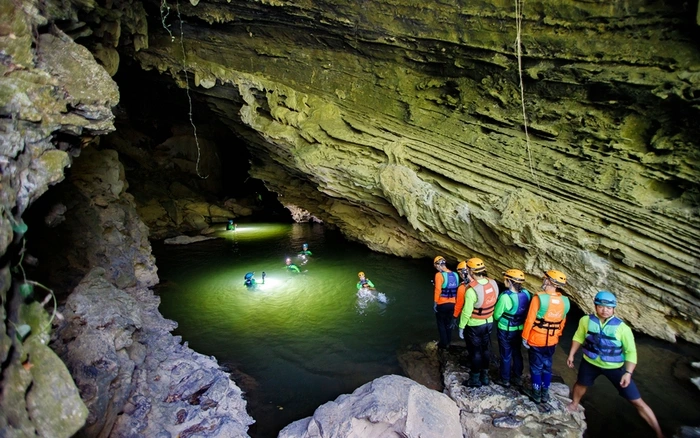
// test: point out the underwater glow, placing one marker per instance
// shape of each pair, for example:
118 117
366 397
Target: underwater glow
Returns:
304 337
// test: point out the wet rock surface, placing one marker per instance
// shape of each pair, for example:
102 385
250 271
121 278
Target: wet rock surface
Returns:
388 406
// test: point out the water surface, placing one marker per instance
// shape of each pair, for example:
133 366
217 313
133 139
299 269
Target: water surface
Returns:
301 340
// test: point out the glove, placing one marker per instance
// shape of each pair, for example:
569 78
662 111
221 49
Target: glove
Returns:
453 323
434 306
461 333
527 347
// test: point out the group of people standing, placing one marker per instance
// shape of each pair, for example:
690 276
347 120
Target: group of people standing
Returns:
470 300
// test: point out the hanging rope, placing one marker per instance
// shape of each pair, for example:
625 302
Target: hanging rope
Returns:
187 88
518 27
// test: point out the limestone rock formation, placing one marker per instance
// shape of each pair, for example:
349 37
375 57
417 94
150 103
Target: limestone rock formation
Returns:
388 406
120 353
402 124
408 121
505 412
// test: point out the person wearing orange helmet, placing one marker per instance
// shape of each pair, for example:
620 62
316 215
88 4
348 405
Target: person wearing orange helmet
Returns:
364 282
476 300
445 283
543 326
511 310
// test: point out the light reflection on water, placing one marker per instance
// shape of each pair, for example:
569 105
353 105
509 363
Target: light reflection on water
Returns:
301 340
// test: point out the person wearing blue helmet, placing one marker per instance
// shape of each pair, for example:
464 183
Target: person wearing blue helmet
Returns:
249 280
608 349
305 250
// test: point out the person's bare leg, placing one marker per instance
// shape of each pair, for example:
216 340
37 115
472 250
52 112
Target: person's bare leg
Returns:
648 415
578 392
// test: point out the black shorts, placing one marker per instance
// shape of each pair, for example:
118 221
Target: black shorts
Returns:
587 373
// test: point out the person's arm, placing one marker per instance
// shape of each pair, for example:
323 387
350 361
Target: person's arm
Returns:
531 314
359 285
370 284
469 301
437 290
296 268
459 300
502 305
629 349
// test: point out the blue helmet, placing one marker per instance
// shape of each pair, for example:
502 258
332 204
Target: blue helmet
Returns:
306 245
249 275
605 298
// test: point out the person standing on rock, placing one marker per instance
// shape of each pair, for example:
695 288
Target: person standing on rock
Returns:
543 326
511 310
608 349
444 293
474 308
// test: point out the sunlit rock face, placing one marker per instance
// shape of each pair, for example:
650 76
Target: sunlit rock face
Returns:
402 124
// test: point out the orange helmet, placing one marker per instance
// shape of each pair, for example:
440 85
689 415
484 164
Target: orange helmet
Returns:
514 275
360 274
476 265
461 266
439 260
557 277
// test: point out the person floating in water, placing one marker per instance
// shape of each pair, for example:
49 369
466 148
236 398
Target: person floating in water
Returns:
291 267
231 226
364 283
250 281
305 250
304 254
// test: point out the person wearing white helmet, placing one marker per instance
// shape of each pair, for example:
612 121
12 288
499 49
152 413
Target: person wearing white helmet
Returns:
608 349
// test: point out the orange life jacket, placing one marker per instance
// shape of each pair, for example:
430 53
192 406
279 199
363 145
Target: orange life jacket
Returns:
552 311
486 297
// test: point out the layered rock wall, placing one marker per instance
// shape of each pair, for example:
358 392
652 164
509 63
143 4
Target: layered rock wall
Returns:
402 124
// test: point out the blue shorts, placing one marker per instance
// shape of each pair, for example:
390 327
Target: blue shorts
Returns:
587 373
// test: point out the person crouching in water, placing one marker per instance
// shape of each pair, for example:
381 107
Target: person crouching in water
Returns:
543 326
291 267
608 349
510 312
364 283
475 307
444 296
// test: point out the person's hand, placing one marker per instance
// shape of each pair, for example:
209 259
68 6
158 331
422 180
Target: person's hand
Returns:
461 333
525 344
453 323
435 306
625 380
570 361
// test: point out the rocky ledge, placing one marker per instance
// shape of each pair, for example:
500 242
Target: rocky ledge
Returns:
398 406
